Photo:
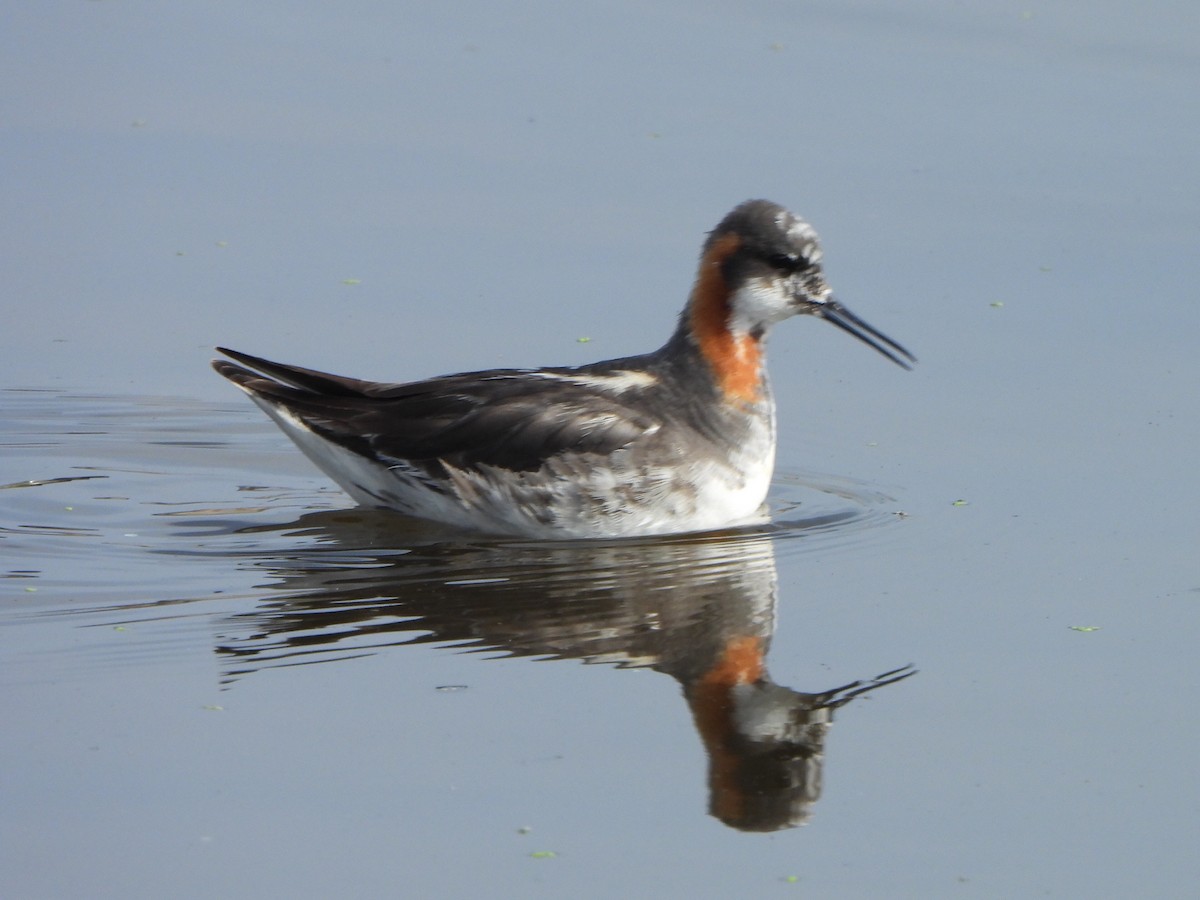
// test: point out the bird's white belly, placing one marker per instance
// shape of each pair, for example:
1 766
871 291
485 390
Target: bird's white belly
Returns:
583 496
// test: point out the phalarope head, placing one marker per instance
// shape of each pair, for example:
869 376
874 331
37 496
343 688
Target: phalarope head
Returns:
770 260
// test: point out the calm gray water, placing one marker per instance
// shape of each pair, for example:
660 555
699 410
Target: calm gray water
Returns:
218 679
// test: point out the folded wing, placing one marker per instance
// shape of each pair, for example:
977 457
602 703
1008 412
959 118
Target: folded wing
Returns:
505 418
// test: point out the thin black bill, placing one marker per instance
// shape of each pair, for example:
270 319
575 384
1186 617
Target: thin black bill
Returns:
833 311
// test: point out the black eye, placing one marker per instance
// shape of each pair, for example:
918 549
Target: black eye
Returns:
787 262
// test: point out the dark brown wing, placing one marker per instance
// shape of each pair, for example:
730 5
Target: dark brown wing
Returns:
509 418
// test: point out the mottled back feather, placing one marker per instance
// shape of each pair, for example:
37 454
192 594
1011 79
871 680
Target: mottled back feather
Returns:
503 418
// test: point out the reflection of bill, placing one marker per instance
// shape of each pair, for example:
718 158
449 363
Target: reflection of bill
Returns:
700 609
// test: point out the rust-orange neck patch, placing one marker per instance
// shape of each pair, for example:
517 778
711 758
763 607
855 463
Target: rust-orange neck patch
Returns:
736 360
740 662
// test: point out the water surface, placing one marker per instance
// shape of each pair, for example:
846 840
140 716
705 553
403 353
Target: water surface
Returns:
218 679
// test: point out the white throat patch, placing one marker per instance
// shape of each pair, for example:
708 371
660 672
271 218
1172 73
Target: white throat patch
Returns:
759 304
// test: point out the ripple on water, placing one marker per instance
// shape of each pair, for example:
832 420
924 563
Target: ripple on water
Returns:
160 534
120 504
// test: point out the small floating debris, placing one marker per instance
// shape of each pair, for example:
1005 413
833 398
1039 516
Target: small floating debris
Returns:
42 482
451 688
1084 628
215 511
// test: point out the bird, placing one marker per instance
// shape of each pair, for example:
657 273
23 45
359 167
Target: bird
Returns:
678 440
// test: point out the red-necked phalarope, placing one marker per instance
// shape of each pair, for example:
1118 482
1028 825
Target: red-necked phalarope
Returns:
678 440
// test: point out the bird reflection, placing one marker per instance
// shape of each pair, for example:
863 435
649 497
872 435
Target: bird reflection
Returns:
698 608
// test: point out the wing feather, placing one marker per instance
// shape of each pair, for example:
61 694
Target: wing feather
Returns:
505 418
